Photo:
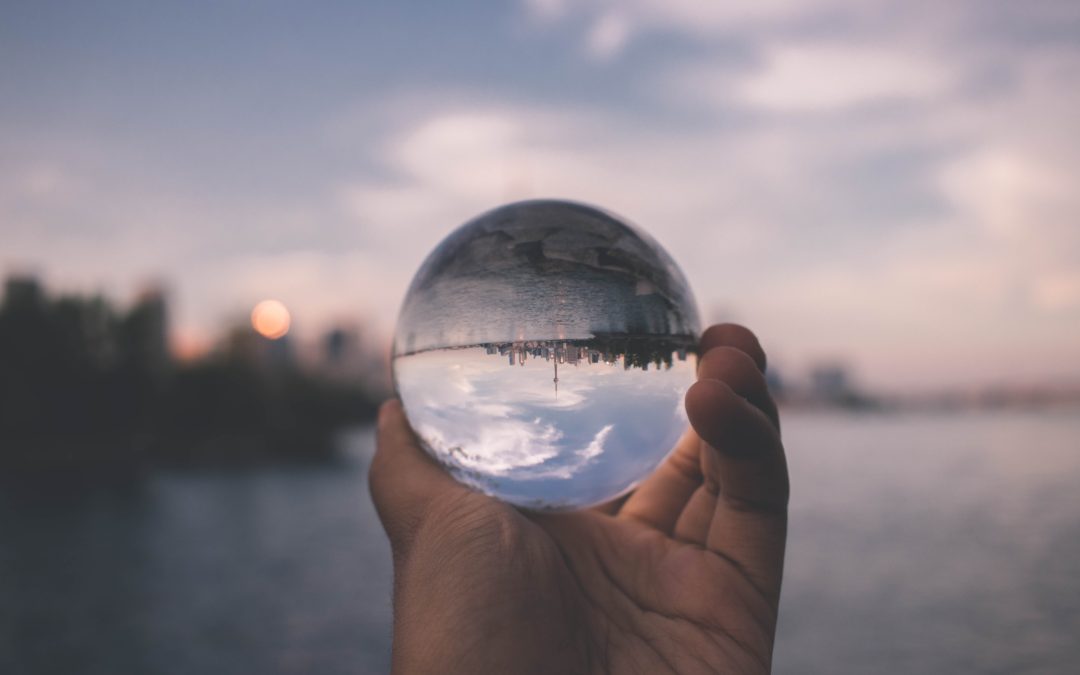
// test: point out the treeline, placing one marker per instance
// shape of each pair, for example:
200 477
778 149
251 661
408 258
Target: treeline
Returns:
84 382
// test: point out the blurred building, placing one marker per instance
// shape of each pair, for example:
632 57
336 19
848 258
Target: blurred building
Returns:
244 345
145 332
830 381
831 384
775 382
23 293
344 356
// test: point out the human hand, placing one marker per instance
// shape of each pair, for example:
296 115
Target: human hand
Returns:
683 576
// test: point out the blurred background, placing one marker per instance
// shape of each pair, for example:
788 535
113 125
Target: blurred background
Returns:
209 214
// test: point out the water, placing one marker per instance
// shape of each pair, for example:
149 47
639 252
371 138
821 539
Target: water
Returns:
918 544
546 424
278 569
933 544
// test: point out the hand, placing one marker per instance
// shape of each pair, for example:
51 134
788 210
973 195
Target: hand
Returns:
683 576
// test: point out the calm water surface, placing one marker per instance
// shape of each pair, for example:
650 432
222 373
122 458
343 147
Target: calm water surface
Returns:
919 544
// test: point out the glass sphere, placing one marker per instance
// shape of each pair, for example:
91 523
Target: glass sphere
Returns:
542 354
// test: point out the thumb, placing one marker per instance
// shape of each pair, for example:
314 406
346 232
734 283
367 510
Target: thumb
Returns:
403 480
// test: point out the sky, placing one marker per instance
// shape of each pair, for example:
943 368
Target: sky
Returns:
890 184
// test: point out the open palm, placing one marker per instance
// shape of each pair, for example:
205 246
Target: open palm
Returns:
683 576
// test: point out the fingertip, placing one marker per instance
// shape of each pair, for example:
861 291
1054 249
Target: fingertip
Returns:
395 449
738 370
393 428
399 454
709 406
403 479
390 412
737 336
733 366
747 446
727 421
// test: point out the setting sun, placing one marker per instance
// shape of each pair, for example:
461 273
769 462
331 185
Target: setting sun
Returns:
270 319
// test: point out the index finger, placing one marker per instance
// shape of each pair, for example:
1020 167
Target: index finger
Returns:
745 463
673 499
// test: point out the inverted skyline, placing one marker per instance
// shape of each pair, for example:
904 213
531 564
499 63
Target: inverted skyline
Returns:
893 184
625 350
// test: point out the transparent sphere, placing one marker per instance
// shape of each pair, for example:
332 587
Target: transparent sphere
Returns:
543 351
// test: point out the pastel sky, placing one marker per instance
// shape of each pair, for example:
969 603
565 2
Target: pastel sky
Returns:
895 184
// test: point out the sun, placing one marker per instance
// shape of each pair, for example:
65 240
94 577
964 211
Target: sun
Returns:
270 319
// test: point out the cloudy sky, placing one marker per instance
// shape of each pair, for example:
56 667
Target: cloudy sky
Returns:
890 183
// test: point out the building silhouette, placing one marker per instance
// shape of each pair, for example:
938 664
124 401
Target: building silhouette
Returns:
83 382
630 352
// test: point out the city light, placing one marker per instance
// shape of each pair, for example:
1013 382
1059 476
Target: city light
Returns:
270 319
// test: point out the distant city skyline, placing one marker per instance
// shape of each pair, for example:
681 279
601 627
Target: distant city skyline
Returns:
891 186
657 352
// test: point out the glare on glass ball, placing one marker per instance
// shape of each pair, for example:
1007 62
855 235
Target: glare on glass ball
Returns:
543 351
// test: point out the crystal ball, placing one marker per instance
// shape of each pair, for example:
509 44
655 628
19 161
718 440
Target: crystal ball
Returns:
543 351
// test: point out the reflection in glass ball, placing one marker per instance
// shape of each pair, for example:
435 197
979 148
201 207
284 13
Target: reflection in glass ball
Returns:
542 354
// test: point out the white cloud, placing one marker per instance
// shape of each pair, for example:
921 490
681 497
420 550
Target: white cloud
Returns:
608 35
761 214
547 10
1058 291
1011 194
1026 212
763 21
785 185
694 194
829 77
694 17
